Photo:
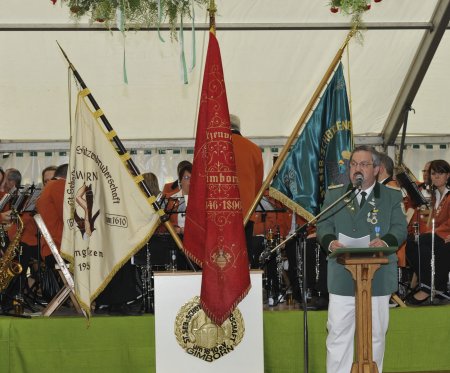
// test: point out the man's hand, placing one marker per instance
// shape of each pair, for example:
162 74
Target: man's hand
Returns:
5 217
335 245
377 243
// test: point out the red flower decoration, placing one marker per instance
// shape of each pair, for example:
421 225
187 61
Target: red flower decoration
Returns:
53 1
334 9
377 1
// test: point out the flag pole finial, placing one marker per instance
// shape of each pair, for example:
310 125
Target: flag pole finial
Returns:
212 16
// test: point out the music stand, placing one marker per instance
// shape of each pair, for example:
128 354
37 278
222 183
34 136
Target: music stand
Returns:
411 188
178 205
362 263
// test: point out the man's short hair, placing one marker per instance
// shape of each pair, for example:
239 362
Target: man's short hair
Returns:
387 163
14 175
235 123
61 171
370 149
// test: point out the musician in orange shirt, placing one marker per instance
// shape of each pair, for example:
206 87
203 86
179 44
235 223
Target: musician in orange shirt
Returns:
249 169
50 206
439 174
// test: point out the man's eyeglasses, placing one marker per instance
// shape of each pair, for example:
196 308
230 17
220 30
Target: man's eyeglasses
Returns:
185 177
354 164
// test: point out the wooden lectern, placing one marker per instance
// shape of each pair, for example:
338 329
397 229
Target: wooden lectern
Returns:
362 264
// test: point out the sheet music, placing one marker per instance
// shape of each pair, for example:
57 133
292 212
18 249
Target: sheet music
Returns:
354 242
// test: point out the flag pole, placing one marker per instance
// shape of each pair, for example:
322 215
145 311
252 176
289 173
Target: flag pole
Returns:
299 125
122 150
212 16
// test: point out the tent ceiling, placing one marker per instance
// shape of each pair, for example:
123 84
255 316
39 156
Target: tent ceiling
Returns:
271 70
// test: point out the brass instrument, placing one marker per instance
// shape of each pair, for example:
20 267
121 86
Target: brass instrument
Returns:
8 267
3 202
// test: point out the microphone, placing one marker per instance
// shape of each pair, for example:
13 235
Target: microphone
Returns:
359 179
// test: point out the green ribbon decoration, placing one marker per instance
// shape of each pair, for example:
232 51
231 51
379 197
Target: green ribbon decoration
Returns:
182 54
159 21
194 53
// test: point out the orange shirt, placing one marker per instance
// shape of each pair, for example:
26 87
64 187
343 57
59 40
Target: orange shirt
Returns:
29 234
250 169
50 206
441 217
167 189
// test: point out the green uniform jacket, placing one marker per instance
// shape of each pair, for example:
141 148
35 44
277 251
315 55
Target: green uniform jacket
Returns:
385 211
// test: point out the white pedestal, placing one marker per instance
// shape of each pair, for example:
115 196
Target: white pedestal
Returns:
172 291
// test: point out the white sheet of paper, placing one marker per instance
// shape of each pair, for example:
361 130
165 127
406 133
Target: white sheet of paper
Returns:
354 242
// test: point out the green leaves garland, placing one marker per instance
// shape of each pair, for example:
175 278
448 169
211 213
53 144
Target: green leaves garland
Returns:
136 13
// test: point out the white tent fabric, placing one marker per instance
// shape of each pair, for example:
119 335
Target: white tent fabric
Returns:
270 74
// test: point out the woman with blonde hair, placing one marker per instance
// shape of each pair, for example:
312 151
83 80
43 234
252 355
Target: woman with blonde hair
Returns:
151 180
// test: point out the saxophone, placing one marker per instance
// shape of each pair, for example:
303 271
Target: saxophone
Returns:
8 267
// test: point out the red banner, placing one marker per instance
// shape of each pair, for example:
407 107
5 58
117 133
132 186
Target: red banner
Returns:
214 232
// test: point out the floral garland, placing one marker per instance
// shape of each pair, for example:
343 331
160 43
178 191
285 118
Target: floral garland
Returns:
355 8
136 13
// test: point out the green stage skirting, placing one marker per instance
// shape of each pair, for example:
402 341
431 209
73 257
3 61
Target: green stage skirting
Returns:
418 340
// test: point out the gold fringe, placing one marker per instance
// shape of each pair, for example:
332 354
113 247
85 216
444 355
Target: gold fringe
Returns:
122 262
219 322
70 259
289 203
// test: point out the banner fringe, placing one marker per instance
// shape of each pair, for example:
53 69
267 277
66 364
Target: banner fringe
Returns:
220 321
289 203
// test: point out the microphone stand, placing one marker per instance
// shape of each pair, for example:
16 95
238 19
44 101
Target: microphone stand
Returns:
300 233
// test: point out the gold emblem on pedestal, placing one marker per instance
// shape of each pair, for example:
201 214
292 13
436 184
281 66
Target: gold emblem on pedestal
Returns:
201 337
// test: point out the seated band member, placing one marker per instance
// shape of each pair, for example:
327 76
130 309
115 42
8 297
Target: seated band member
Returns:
48 173
50 206
249 170
174 186
386 177
27 248
419 253
178 202
151 180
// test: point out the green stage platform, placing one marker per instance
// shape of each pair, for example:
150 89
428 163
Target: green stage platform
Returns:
418 340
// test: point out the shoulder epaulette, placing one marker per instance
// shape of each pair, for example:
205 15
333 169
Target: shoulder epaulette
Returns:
393 187
335 186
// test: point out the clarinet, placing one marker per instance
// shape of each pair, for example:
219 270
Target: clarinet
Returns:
279 261
433 269
149 281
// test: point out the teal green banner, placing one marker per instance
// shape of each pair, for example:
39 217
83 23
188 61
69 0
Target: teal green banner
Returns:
320 156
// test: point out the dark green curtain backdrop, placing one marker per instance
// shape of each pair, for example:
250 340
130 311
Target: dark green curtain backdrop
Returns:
418 340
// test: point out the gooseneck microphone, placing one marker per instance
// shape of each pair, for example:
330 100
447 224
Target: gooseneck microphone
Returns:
359 179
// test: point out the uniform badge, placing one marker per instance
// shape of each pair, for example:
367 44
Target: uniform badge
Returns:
201 337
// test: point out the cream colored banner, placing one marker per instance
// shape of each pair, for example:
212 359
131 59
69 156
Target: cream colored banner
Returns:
107 218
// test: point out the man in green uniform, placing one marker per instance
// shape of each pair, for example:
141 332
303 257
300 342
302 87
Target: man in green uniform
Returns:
375 210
